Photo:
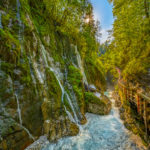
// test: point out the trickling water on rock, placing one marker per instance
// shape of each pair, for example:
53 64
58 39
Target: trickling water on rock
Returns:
27 131
80 65
55 69
69 115
18 109
20 24
64 93
1 27
100 133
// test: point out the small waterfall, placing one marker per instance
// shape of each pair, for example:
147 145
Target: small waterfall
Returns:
70 103
80 65
18 109
21 26
31 71
18 10
62 89
1 27
28 132
20 120
19 20
58 76
69 115
38 73
67 96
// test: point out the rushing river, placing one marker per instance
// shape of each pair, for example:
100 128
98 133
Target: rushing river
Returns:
100 133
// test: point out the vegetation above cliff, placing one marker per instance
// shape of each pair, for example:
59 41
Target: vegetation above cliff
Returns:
130 46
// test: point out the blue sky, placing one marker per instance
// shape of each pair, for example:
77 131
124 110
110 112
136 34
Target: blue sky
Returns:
103 13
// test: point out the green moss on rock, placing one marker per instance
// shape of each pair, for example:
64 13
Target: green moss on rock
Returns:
96 105
52 102
75 79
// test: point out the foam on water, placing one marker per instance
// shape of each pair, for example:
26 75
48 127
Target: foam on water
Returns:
100 133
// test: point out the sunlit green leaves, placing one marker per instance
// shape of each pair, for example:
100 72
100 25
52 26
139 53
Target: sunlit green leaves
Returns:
131 31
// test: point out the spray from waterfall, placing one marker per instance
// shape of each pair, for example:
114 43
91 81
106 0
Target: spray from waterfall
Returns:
18 109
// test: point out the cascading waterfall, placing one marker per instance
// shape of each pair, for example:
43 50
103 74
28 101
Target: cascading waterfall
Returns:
20 119
18 11
19 20
31 71
70 103
58 77
18 109
1 27
38 73
69 115
73 96
21 26
80 65
27 131
64 93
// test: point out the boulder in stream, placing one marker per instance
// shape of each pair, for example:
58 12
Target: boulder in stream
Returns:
100 106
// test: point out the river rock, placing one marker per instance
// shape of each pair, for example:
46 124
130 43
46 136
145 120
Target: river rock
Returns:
55 129
101 106
83 120
92 88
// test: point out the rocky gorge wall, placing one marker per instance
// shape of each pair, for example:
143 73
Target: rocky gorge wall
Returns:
42 80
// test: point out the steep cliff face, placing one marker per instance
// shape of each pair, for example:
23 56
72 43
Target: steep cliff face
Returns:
41 71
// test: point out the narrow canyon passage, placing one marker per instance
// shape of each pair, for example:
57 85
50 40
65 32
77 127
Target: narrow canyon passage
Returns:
57 59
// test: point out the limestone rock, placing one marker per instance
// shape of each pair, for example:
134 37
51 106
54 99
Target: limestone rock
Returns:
101 106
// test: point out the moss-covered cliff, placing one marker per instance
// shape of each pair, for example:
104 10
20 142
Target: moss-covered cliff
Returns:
41 80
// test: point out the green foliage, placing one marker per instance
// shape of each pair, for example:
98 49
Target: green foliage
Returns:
130 48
